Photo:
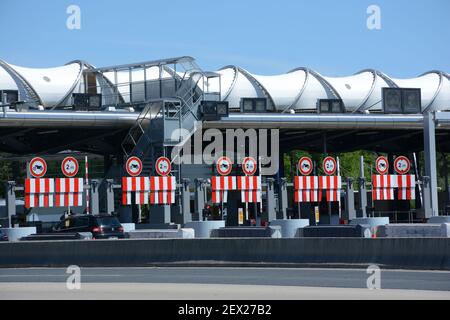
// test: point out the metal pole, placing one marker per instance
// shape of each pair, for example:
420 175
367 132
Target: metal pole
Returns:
87 184
430 161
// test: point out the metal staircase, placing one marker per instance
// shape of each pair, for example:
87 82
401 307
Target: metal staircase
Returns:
155 130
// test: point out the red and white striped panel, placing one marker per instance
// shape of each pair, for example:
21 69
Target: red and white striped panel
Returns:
330 182
333 194
305 195
73 185
251 195
41 185
38 200
163 183
406 181
224 183
306 182
67 199
162 197
384 181
249 182
135 184
218 196
383 193
406 193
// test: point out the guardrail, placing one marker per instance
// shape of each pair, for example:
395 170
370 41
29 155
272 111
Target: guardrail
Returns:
404 253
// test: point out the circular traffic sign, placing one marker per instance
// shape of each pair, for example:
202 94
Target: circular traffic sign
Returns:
305 165
402 165
134 166
37 167
382 165
224 166
69 167
249 166
163 166
329 165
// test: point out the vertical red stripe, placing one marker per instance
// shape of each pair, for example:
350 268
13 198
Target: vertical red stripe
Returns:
124 184
37 186
46 185
76 185
124 197
27 200
27 186
133 183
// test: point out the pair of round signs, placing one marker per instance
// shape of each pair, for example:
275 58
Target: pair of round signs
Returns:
401 165
224 166
305 165
134 166
38 167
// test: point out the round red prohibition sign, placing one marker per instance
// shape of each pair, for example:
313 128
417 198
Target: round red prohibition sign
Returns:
249 166
134 166
382 165
69 167
329 165
224 166
163 166
402 165
37 167
305 165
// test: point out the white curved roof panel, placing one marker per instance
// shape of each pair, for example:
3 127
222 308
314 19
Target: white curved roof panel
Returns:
51 84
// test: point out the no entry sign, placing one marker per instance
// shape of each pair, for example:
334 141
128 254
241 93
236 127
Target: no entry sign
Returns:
305 165
382 165
163 166
134 166
402 165
249 166
224 166
69 167
329 166
37 167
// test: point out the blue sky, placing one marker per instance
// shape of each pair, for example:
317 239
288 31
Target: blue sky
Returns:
265 37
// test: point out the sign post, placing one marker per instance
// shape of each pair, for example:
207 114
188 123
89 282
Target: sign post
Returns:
224 167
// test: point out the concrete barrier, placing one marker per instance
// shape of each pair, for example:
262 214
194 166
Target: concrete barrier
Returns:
372 222
203 228
127 227
14 234
414 253
341 231
413 230
183 233
289 227
247 232
439 219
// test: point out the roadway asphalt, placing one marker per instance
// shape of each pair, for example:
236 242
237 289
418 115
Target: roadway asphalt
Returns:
222 283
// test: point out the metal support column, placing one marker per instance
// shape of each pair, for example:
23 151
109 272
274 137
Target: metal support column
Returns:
270 196
426 209
350 212
185 201
200 197
93 197
362 209
283 198
109 196
430 162
10 188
